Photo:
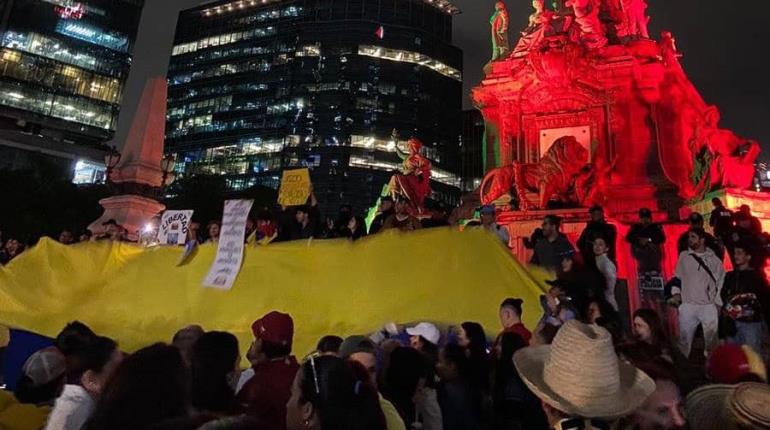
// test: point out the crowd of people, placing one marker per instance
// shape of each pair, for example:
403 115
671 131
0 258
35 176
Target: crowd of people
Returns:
583 366
266 224
732 306
572 375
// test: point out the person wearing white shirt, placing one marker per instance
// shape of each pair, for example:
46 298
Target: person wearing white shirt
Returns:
607 268
87 374
702 275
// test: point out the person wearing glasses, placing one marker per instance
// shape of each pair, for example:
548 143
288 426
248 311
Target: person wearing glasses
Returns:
329 393
264 396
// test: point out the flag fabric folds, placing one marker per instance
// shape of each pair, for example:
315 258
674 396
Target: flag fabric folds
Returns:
139 295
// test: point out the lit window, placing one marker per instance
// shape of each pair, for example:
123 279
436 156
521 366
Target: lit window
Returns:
309 51
410 57
92 34
222 39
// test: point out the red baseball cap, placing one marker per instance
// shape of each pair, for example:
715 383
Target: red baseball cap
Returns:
275 327
731 364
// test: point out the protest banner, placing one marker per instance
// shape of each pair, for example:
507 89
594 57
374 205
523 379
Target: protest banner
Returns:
295 187
173 227
227 262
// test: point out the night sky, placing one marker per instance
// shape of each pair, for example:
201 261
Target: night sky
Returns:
726 45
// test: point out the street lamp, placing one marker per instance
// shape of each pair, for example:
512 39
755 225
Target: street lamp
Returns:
167 166
111 160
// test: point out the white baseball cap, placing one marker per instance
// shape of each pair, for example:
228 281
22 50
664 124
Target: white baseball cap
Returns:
426 330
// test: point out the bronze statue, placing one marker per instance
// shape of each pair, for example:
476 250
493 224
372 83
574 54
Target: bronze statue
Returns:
499 23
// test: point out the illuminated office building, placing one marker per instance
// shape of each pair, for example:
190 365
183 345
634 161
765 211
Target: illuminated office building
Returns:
63 64
258 86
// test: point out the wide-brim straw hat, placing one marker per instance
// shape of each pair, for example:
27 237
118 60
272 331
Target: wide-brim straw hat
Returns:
580 374
729 407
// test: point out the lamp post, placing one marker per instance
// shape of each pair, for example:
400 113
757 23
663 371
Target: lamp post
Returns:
111 161
167 166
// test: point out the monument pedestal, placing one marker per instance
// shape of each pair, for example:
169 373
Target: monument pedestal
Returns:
131 211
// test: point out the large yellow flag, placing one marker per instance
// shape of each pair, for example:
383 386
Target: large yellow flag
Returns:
139 296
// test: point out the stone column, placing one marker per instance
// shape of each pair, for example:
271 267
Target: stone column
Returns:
137 179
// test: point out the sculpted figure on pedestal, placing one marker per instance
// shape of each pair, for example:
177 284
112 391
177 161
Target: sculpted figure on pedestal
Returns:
561 174
721 157
499 23
635 19
532 36
587 19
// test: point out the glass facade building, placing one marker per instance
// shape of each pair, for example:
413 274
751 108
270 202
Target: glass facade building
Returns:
258 86
63 65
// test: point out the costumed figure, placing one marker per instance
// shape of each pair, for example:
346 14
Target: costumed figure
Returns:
587 19
721 157
413 182
635 19
534 33
499 23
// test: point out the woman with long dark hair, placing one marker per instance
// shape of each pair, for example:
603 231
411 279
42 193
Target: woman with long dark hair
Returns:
650 348
472 338
215 371
329 394
149 387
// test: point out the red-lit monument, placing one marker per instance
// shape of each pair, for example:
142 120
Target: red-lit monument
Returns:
587 109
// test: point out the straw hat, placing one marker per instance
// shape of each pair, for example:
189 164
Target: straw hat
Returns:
729 407
580 374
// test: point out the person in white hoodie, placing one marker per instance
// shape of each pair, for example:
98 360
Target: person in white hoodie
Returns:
701 274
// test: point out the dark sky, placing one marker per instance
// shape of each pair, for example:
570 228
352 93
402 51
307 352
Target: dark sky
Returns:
725 45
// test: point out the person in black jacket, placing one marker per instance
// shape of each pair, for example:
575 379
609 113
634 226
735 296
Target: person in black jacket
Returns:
746 299
597 227
721 220
646 239
696 221
303 222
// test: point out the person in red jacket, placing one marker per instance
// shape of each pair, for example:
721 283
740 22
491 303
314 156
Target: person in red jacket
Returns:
510 319
265 395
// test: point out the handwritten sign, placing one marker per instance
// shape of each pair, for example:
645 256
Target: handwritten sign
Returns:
173 227
295 187
227 263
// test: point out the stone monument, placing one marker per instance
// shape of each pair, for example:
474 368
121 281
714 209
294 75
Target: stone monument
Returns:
138 178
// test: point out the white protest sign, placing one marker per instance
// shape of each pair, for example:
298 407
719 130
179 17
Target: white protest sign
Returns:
173 227
227 263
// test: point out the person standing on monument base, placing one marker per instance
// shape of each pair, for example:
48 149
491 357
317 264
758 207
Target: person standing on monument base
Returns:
746 298
597 227
552 246
721 220
647 239
696 221
702 275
